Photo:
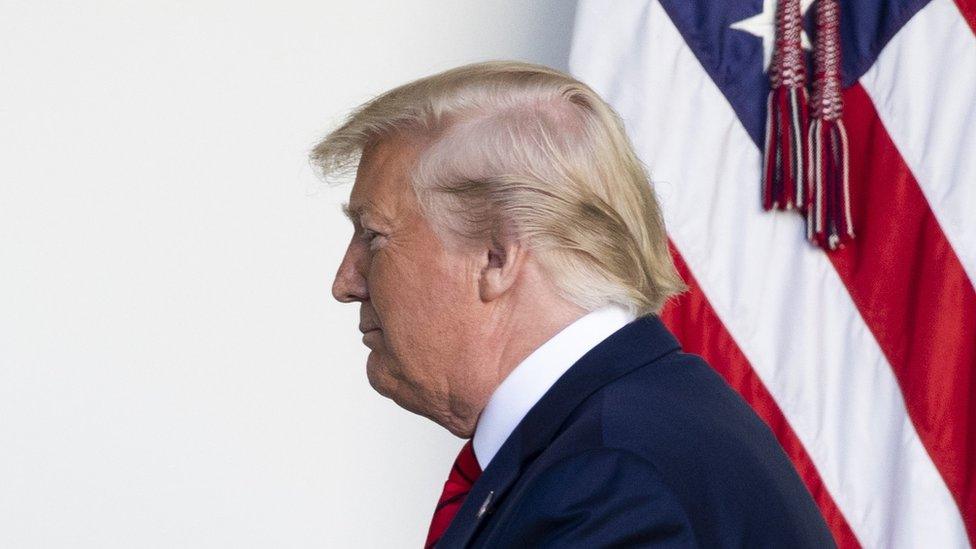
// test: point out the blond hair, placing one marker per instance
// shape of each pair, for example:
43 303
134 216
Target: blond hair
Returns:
528 151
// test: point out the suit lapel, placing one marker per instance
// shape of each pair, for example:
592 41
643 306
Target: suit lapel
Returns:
630 347
493 483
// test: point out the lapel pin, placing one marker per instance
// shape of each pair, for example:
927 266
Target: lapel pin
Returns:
484 506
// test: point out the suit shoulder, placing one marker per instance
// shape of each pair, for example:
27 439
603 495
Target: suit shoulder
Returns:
678 408
680 390
721 461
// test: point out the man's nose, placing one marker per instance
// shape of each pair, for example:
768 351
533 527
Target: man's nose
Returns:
350 284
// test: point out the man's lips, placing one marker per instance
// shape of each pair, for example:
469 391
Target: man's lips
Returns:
367 338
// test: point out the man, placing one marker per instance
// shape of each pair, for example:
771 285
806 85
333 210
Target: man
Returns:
509 259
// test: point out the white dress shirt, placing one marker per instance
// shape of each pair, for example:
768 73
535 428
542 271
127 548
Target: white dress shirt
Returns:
530 380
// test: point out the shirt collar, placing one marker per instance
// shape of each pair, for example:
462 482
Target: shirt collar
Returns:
530 380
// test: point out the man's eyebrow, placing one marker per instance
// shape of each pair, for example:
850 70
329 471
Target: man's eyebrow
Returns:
355 213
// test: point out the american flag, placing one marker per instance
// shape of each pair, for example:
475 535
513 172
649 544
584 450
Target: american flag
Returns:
862 360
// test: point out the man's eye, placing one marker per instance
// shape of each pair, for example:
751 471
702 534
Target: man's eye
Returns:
370 236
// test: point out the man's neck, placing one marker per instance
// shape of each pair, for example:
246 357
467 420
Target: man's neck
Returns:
516 334
526 384
525 338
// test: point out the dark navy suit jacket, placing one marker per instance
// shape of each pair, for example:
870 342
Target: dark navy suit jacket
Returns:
638 445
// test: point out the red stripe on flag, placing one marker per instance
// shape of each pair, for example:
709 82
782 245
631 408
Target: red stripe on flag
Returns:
915 297
968 10
698 327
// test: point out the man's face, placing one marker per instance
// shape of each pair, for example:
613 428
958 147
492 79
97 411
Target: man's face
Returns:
419 301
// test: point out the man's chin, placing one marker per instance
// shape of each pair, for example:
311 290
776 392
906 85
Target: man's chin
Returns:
397 390
382 381
378 379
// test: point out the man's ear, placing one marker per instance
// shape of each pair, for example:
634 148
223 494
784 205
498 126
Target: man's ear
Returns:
501 265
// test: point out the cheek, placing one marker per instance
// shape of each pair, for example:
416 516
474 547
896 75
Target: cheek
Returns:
420 304
407 295
422 312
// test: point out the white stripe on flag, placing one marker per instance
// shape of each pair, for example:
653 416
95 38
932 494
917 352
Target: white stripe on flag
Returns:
922 85
779 297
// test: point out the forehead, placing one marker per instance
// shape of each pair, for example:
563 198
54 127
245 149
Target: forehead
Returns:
382 187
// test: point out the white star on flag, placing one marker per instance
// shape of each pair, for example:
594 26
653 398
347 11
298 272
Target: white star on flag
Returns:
763 25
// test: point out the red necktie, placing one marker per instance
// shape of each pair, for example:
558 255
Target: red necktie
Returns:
463 475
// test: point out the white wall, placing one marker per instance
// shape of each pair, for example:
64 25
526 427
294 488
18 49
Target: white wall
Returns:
173 369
